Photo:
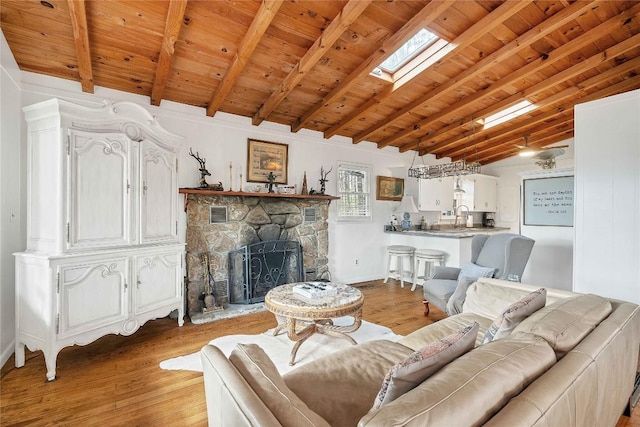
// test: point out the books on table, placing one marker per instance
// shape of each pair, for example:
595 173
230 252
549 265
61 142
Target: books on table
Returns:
315 289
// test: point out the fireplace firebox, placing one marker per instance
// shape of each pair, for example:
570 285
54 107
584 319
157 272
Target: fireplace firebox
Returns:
255 269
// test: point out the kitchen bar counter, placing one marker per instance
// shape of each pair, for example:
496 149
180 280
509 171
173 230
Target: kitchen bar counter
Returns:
455 242
454 233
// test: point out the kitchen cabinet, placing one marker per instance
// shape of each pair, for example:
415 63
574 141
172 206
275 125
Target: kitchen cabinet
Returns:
480 192
103 255
435 194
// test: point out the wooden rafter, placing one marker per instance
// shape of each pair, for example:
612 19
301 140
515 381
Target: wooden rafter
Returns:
534 66
345 18
489 22
554 137
524 127
259 25
594 61
173 24
487 146
556 21
422 19
78 14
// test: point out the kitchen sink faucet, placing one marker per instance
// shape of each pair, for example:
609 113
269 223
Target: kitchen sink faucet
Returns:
458 209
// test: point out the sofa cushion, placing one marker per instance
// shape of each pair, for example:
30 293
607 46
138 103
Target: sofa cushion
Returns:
263 377
489 299
511 317
341 387
470 389
421 364
565 323
474 271
440 329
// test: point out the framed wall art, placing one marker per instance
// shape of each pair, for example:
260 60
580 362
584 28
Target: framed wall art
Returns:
548 201
389 188
265 157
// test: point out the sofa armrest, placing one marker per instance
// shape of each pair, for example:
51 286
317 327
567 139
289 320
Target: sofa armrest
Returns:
445 273
230 400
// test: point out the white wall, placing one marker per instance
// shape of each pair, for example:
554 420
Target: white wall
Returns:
551 261
12 231
607 258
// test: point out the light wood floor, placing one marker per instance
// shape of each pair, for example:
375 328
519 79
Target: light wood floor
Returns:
117 381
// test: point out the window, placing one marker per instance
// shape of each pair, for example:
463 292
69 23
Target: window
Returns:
507 114
354 189
418 53
408 51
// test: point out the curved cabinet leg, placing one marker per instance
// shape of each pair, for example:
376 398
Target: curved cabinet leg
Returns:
181 315
50 361
426 307
19 355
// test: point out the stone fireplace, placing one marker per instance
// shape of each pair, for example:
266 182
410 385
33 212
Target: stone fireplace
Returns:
220 223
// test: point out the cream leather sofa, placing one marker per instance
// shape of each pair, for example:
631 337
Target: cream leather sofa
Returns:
571 363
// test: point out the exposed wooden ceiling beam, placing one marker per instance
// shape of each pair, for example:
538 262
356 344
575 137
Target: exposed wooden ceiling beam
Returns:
78 14
630 83
557 135
512 48
173 24
266 13
480 139
339 25
534 66
421 20
486 24
501 140
585 65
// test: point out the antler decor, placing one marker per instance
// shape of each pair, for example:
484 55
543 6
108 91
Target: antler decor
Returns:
323 178
203 168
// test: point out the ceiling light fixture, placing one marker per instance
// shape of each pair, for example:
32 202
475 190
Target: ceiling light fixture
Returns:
457 168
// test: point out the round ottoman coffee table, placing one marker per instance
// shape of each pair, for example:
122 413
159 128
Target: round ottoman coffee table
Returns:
303 317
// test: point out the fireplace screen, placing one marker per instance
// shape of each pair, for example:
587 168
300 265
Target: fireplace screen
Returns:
255 269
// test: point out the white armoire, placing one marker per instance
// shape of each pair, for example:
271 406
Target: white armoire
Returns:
103 256
607 199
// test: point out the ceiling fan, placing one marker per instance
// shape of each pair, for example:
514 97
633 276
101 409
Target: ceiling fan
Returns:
526 151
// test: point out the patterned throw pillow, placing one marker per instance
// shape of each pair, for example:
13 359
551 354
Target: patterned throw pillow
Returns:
474 272
514 314
420 365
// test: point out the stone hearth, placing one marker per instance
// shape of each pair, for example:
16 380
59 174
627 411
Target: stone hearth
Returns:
250 218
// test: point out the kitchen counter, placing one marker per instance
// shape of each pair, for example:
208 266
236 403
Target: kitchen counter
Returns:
453 233
456 242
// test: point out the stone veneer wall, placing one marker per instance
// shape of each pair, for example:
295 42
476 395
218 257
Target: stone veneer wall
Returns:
251 219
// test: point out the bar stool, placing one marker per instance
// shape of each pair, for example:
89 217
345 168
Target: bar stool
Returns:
428 257
401 252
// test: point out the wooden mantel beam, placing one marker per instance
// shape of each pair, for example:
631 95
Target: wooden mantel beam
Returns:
259 25
173 24
339 25
78 14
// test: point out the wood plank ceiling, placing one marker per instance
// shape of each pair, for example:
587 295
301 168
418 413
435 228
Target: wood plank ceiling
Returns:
307 64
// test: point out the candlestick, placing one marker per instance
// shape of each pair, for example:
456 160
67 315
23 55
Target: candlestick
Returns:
240 182
230 176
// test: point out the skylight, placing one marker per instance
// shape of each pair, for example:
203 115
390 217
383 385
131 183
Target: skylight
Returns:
507 114
408 51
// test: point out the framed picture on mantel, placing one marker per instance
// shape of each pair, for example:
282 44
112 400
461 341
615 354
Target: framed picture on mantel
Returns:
389 188
267 157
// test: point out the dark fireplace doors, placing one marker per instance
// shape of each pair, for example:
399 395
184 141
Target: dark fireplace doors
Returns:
255 269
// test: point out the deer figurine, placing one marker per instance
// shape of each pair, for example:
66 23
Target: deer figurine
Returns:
323 179
203 169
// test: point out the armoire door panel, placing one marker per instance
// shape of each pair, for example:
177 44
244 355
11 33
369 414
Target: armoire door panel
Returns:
101 190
